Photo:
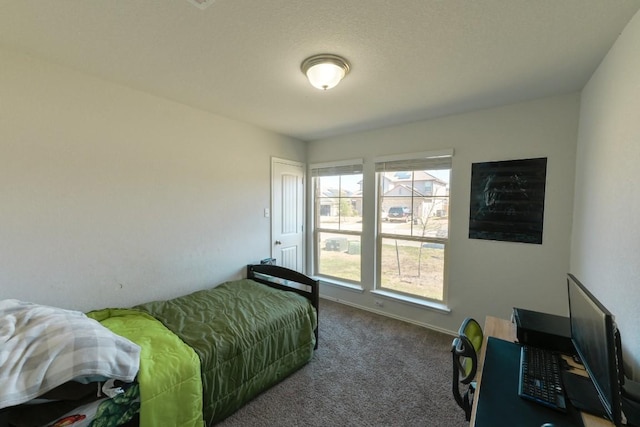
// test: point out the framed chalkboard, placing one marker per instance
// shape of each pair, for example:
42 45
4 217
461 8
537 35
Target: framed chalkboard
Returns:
507 200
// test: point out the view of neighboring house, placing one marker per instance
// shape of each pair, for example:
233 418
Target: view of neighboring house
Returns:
424 194
334 201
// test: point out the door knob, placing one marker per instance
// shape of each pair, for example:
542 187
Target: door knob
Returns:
278 242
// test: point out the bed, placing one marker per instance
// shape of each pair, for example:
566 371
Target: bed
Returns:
248 336
204 355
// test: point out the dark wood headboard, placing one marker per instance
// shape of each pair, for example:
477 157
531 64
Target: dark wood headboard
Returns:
287 280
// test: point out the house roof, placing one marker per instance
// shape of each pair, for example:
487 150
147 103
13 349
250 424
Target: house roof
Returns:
334 192
399 177
410 59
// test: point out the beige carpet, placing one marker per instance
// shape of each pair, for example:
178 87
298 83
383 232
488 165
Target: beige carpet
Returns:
369 370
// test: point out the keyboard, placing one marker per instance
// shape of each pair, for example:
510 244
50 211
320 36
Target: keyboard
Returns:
541 377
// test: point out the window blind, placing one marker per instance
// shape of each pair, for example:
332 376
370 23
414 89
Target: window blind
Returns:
350 167
419 161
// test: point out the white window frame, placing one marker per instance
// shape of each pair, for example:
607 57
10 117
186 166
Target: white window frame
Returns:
412 161
344 167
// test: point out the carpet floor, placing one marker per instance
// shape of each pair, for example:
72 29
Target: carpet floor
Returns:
369 370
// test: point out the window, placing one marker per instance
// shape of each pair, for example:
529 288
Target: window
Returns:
337 199
413 224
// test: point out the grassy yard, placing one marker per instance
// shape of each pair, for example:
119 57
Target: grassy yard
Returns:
399 268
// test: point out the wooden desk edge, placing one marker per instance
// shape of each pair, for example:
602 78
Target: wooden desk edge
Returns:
506 330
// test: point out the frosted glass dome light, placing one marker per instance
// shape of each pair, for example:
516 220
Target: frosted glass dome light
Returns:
325 71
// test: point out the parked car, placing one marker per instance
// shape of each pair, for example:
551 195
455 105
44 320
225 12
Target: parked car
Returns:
384 215
399 213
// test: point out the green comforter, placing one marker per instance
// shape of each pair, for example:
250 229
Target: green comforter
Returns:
169 375
248 337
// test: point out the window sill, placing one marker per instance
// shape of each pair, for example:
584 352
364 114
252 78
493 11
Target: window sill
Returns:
443 308
340 284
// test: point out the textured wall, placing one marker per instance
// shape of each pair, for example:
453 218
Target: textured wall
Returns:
605 251
111 197
485 277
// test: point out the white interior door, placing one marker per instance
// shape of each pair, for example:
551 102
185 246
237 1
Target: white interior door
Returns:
287 209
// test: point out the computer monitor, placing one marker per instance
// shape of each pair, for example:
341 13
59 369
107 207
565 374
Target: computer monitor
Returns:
593 333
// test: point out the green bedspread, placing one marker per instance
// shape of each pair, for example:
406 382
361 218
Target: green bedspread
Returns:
248 337
169 375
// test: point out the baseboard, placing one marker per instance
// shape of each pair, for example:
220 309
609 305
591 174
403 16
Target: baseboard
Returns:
392 316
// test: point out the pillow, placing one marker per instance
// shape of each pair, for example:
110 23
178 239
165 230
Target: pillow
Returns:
42 347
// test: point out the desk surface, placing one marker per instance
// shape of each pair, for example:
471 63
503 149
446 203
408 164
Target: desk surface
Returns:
506 330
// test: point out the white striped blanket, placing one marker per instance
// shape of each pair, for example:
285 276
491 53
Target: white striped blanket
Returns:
43 347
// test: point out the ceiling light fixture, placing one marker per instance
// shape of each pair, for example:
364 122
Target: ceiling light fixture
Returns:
325 71
202 4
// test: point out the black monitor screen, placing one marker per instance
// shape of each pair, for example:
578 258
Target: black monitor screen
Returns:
593 336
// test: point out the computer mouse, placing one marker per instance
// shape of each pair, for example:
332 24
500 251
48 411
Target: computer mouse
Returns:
548 425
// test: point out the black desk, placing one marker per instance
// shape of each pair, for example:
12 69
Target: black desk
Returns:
504 329
498 403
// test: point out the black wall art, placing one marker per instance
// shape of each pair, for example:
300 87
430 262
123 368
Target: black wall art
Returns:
507 200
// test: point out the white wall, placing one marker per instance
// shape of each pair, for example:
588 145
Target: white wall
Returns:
485 277
112 197
605 250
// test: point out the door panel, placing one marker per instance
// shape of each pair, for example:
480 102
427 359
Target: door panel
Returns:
287 222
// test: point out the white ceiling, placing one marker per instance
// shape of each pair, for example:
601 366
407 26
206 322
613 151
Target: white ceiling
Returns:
411 59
